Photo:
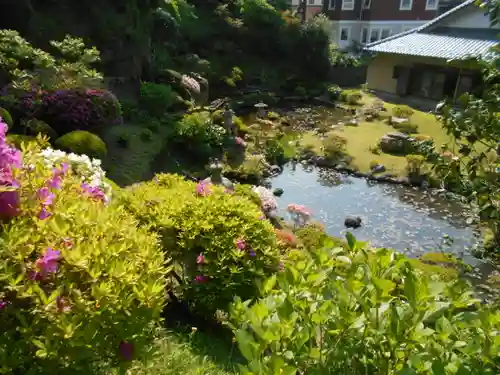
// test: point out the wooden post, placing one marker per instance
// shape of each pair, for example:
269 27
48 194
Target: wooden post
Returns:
457 85
302 8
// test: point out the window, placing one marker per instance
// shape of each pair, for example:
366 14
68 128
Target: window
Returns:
347 4
344 34
374 35
311 2
364 35
386 33
331 4
367 4
405 4
431 4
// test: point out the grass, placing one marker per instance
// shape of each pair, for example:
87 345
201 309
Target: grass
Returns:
365 137
193 353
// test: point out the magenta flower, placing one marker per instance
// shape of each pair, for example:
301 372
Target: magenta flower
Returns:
35 276
9 204
200 259
3 304
44 214
204 189
55 182
94 192
200 279
126 350
49 262
241 244
46 196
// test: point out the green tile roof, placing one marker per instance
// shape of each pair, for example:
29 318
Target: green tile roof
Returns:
431 40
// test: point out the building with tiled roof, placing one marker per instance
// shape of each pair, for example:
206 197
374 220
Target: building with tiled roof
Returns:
417 62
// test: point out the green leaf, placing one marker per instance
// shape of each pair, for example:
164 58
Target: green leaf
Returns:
351 241
269 284
245 341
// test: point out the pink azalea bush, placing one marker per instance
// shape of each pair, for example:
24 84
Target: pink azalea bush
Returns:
300 215
81 284
217 239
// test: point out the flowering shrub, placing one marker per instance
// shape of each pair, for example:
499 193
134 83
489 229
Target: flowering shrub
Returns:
78 109
88 170
268 202
81 285
299 214
191 84
220 241
82 142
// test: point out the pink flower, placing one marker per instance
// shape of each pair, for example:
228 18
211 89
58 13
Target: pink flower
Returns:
240 142
57 174
200 259
200 279
35 276
3 304
55 182
94 192
262 217
49 262
204 189
126 350
241 244
44 214
46 196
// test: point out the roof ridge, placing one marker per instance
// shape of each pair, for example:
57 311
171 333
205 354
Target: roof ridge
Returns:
425 26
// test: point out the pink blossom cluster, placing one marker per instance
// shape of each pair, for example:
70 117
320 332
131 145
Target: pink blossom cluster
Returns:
46 195
204 188
191 84
300 215
240 142
95 192
10 159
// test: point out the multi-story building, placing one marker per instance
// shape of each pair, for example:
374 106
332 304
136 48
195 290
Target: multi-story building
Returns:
313 7
367 21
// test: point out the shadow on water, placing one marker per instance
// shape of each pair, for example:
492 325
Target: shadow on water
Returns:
399 217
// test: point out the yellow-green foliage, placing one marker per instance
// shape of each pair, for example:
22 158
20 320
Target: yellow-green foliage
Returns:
18 139
193 224
82 142
402 111
352 97
107 287
334 146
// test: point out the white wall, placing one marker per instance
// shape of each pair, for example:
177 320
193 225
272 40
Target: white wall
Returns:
356 27
308 2
470 17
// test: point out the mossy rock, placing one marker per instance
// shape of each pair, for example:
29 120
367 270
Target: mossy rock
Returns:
6 117
82 142
34 127
17 139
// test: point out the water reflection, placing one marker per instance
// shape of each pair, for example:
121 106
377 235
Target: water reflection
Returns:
399 217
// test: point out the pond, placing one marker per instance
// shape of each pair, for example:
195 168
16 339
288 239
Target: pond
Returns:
406 219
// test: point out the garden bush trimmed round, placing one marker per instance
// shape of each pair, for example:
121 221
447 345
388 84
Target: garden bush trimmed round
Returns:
82 142
220 241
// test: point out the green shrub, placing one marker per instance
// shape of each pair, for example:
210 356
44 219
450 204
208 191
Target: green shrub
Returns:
300 91
34 127
405 127
199 133
81 284
273 115
218 240
334 92
403 111
146 135
355 310
156 98
414 165
82 142
6 117
241 127
334 146
274 152
352 97
17 139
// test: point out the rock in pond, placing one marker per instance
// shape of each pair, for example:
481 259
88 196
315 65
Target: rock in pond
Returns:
278 192
396 143
379 168
353 222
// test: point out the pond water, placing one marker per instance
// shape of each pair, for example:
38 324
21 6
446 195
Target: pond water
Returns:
407 219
